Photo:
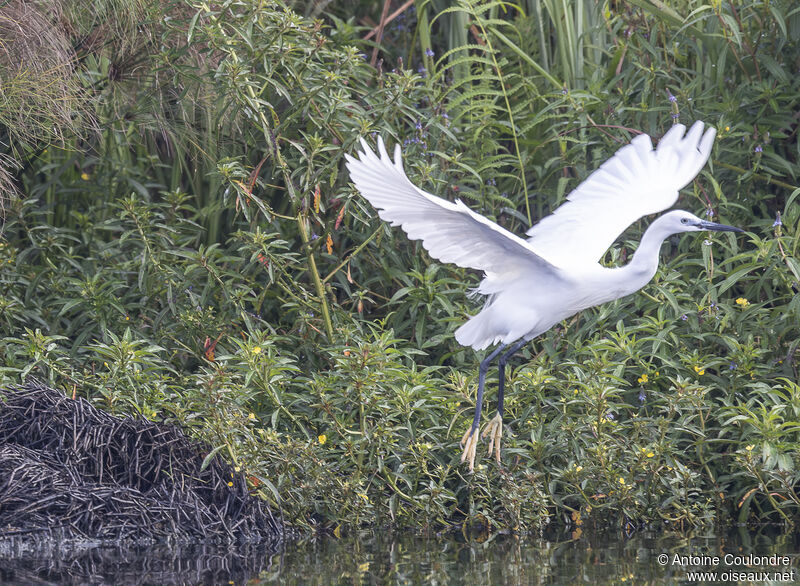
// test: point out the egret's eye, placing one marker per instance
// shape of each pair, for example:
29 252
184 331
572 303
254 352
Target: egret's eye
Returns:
684 220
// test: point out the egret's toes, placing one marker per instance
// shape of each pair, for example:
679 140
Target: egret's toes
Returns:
469 442
494 429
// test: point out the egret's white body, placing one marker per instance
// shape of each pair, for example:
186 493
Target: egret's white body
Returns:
534 284
531 303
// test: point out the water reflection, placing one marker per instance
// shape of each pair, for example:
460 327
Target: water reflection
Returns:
24 563
385 558
518 560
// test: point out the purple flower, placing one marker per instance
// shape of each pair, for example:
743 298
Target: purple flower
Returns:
672 98
429 52
709 213
684 317
758 149
314 236
675 115
642 396
418 125
732 365
777 221
610 416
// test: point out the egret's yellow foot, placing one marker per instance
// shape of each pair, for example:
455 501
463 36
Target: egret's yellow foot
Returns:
494 429
469 442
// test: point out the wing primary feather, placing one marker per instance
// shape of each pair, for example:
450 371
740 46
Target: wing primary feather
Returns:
672 136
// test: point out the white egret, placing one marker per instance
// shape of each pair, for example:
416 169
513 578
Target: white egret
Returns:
534 284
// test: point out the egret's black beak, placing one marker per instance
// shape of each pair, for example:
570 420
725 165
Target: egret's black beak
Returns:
703 225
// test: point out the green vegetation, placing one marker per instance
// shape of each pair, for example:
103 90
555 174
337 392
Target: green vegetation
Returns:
181 242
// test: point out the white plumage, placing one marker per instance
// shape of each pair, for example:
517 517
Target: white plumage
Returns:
535 283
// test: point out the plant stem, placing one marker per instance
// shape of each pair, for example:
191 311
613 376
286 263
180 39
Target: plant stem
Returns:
318 283
352 254
513 126
766 178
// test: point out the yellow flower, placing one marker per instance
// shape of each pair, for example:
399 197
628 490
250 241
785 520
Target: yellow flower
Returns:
85 176
237 468
622 481
742 301
230 484
750 448
727 128
252 416
650 454
322 439
642 379
578 468
256 349
699 371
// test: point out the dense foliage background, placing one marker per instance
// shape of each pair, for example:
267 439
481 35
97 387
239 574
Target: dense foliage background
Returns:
181 242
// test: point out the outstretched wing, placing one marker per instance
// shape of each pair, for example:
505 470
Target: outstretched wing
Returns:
638 180
450 232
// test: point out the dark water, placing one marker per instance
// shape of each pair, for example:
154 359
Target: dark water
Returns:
526 560
382 558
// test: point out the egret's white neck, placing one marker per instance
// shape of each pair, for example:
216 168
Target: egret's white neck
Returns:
645 259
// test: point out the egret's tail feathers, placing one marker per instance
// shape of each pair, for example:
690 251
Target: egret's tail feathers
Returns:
477 332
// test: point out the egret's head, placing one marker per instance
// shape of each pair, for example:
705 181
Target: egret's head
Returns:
682 221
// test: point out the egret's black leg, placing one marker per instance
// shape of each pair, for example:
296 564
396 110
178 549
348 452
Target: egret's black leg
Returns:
470 439
484 367
494 429
501 368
